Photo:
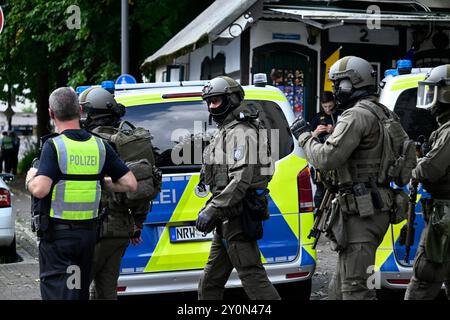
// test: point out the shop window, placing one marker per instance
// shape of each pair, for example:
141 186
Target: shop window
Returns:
205 73
213 68
290 81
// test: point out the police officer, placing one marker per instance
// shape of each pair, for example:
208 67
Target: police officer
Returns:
432 261
230 182
322 125
69 183
351 156
121 221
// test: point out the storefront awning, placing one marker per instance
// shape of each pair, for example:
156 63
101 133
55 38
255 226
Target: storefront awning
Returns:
207 27
306 13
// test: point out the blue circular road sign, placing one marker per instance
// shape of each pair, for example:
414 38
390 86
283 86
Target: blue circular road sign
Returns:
126 79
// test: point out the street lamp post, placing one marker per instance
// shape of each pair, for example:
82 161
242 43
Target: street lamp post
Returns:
124 48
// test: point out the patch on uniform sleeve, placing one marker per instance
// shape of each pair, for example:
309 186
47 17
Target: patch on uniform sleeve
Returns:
238 153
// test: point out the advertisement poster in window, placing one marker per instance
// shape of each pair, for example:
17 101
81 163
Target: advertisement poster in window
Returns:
291 83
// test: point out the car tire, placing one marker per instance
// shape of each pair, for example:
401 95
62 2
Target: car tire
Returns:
9 253
300 290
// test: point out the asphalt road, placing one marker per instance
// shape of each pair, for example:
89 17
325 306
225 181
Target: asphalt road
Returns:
20 280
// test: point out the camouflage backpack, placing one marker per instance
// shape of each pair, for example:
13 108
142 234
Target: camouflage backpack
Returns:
135 148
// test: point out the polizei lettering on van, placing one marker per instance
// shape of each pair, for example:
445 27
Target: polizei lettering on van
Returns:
83 160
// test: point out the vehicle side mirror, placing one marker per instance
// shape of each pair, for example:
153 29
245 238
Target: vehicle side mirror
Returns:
7 177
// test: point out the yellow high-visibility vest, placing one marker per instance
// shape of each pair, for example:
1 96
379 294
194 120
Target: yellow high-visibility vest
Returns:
76 195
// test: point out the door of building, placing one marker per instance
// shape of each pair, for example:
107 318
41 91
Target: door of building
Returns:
293 69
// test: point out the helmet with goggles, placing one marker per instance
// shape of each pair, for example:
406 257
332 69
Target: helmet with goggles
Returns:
222 95
224 86
350 74
435 88
98 102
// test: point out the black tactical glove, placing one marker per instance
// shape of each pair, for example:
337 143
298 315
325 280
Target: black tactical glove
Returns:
206 221
299 126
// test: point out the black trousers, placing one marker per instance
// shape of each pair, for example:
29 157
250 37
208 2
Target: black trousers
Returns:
8 159
65 262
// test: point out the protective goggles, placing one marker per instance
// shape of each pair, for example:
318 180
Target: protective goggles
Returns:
213 100
427 93
343 86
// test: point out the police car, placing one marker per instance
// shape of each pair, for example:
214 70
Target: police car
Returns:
399 94
173 253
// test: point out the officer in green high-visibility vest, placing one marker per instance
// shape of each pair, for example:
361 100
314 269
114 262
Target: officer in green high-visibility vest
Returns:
74 166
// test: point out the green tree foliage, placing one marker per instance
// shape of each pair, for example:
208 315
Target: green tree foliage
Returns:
40 53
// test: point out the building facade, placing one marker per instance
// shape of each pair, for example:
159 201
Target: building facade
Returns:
295 42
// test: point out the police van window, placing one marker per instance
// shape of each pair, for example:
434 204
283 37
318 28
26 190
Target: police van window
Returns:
273 118
416 122
170 123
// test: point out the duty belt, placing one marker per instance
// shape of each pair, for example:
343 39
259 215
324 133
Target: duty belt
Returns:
57 225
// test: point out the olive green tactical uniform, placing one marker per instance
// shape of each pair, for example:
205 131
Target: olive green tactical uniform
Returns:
115 232
354 151
432 261
229 185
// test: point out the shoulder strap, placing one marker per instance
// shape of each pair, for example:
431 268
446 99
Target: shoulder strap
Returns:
376 109
231 124
125 122
97 132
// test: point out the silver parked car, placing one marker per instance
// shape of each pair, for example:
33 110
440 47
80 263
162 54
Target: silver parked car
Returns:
7 220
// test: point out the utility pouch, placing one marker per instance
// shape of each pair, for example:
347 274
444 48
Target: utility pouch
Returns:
363 200
347 203
399 210
255 211
365 205
256 203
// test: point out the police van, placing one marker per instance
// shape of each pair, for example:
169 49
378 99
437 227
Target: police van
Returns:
173 253
399 94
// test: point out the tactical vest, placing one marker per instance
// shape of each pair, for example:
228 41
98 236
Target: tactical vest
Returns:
392 158
365 161
216 174
439 189
76 195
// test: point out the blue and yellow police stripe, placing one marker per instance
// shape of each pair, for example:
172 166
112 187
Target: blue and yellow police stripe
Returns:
161 254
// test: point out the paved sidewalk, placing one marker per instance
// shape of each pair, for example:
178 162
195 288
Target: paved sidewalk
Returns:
20 280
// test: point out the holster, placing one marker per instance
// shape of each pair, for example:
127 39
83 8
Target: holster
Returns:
102 218
256 210
336 229
40 220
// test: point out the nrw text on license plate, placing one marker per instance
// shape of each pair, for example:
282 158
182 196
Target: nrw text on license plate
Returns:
188 233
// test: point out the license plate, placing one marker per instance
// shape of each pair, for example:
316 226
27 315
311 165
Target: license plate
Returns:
187 234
